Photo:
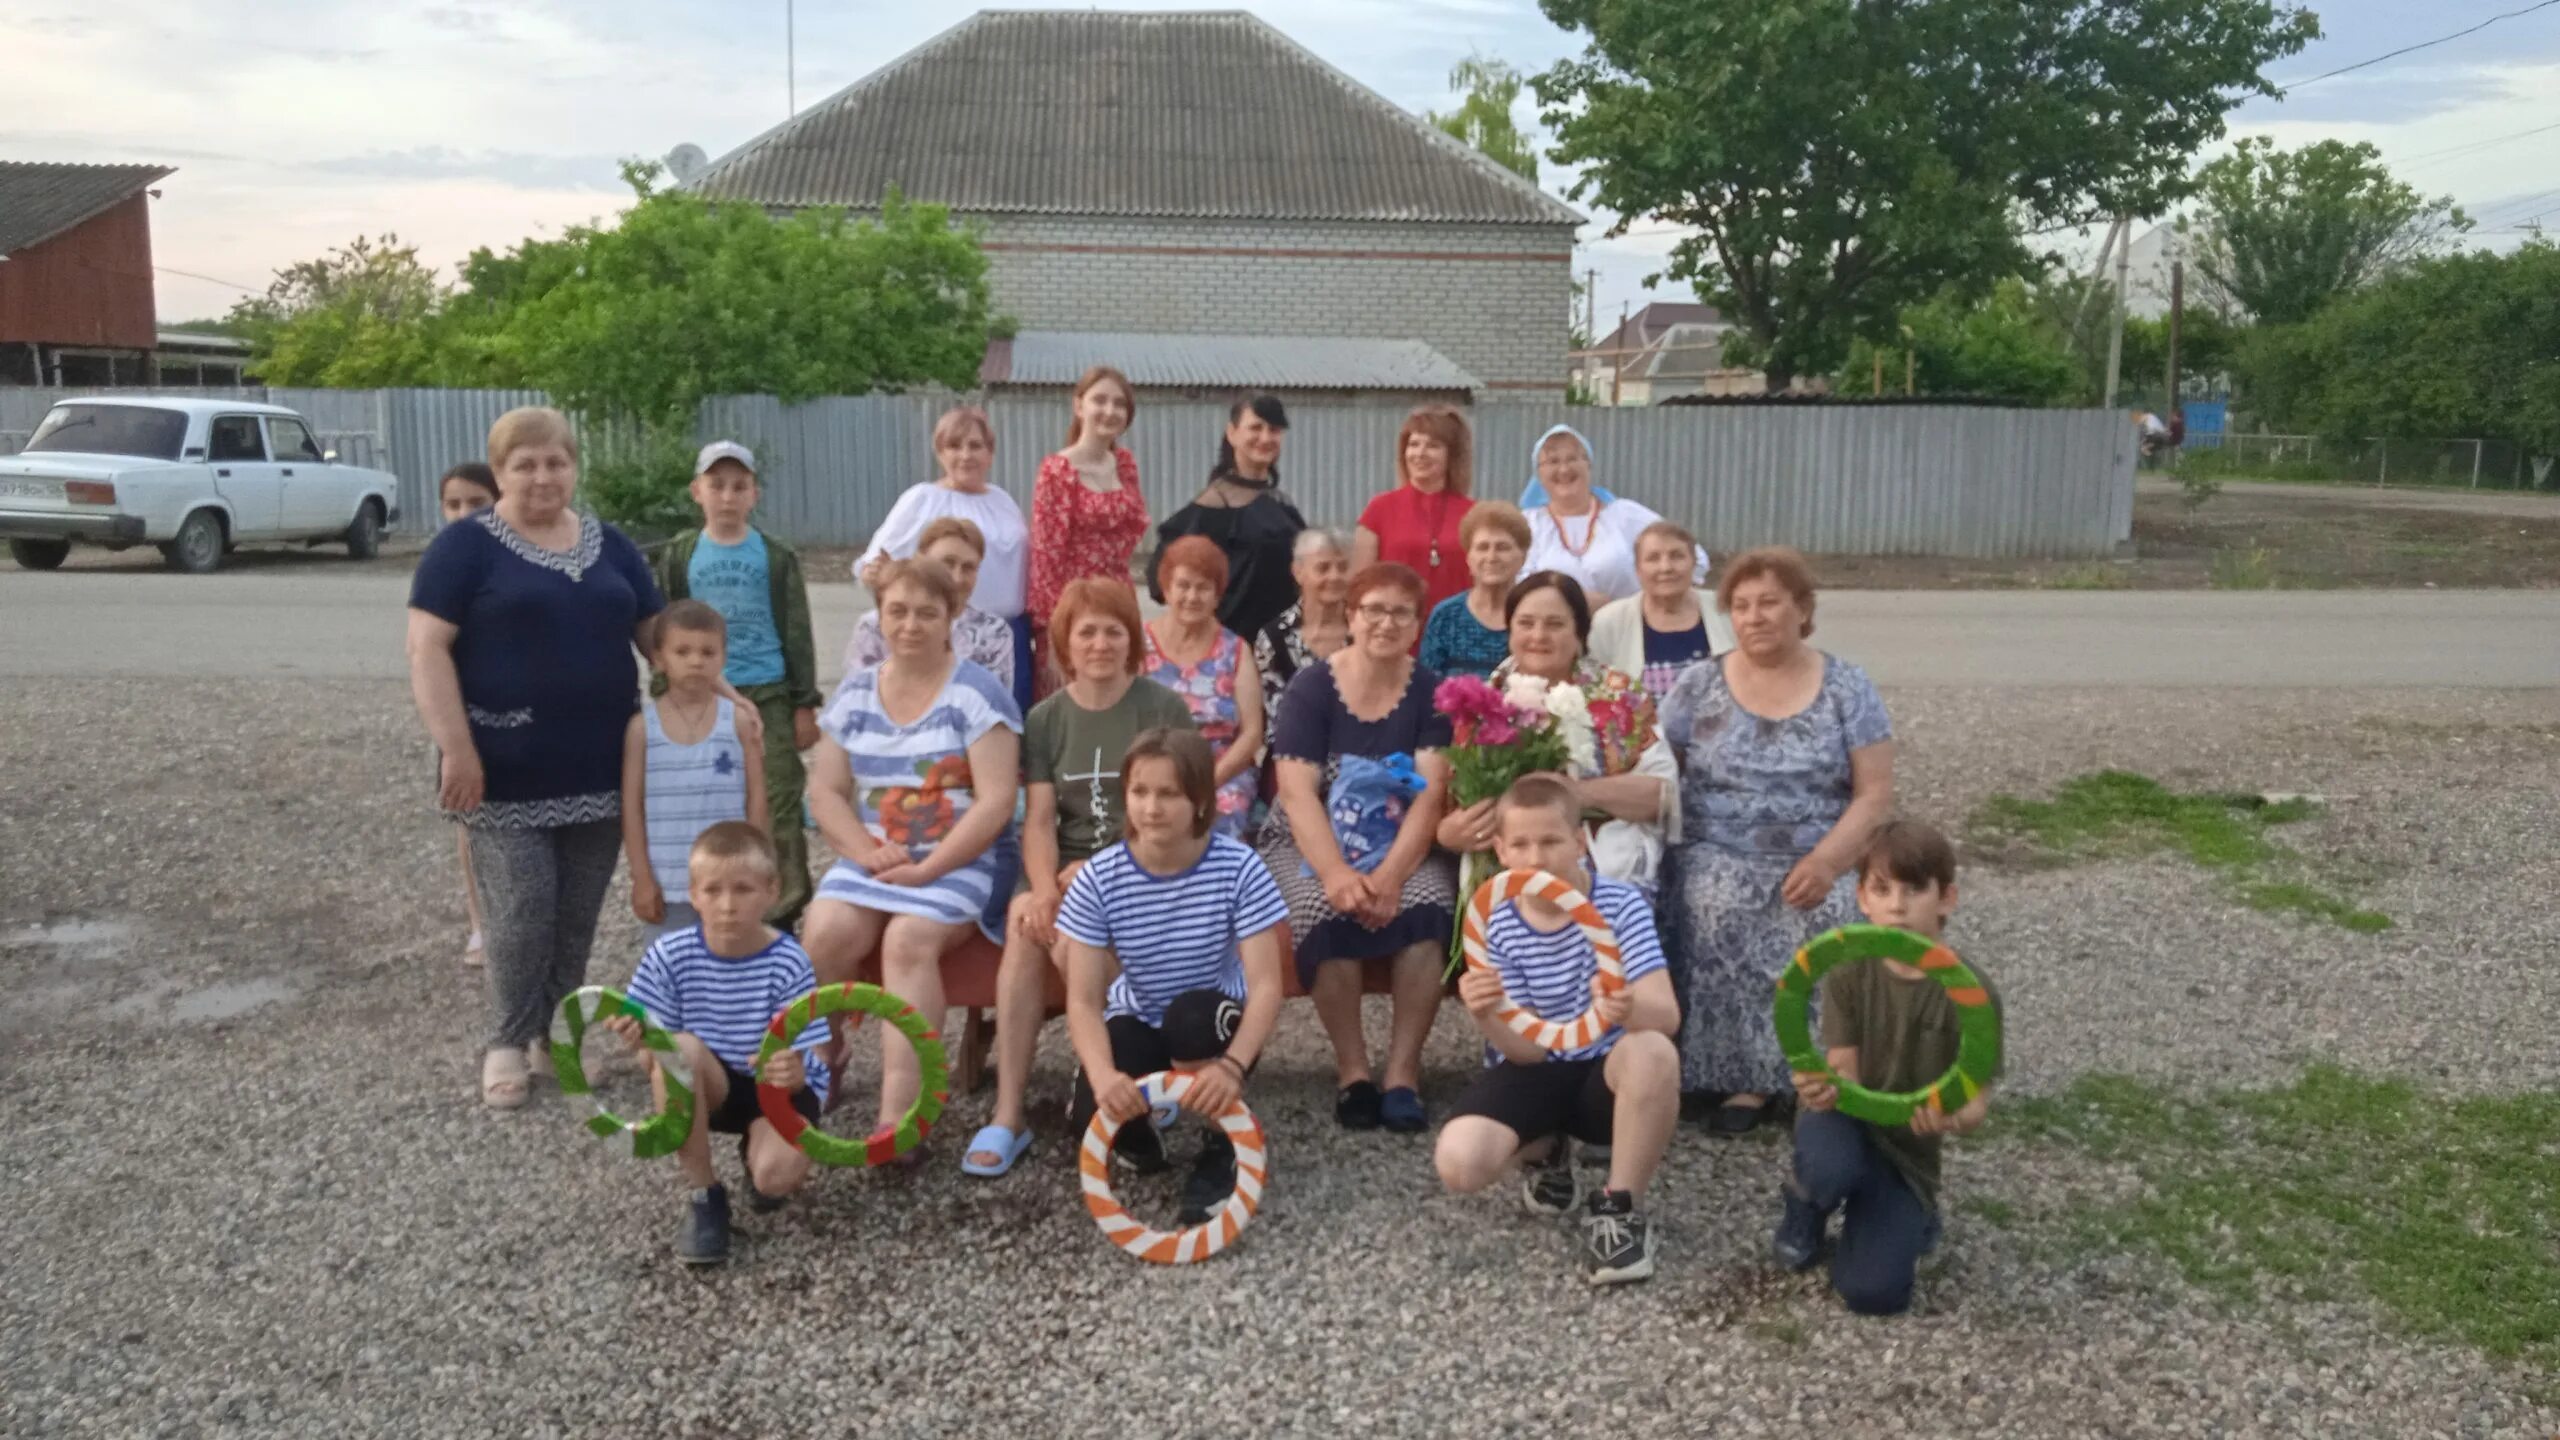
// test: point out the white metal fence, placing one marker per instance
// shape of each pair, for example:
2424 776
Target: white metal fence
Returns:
1965 481
2474 464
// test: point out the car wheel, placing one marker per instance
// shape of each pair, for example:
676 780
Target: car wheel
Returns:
364 537
39 554
198 548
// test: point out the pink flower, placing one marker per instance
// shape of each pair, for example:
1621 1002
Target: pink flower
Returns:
1496 730
1465 697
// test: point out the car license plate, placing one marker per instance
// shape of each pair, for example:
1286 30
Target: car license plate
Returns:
30 489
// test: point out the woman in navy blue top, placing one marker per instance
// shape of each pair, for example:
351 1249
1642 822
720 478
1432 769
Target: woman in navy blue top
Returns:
522 620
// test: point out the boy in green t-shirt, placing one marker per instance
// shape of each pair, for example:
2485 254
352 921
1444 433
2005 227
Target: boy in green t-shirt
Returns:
754 581
1886 1026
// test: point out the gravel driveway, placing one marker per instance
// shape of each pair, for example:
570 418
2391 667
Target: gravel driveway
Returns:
250 1192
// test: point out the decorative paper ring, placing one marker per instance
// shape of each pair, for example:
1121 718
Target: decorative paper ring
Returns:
1163 1090
662 1133
1559 1036
856 1000
1977 1020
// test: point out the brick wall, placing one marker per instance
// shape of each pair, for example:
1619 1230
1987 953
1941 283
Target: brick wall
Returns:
1494 298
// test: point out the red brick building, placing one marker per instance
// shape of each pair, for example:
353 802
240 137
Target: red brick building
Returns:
76 300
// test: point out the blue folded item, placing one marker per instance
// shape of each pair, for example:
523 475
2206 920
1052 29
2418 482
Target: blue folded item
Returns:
1367 806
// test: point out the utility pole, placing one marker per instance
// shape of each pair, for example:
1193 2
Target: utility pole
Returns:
1879 380
1618 354
2097 273
1591 307
2177 317
2115 333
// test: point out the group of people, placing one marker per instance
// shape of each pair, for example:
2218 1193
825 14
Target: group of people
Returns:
1142 813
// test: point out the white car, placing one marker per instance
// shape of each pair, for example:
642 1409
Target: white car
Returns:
194 477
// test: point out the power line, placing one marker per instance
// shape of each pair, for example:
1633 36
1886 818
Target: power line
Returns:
2470 146
2410 49
208 279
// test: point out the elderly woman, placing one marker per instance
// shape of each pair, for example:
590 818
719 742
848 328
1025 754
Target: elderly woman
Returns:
913 787
1628 796
1087 515
1466 634
1243 513
964 444
522 619
1658 634
1071 765
1581 531
1416 524
1370 698
1786 767
1205 664
957 546
1316 626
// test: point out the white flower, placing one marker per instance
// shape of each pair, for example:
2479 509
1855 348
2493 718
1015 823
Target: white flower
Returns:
1569 704
1572 710
1525 692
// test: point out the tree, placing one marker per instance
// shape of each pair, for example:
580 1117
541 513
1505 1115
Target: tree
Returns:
1999 346
362 315
2284 232
1843 159
1484 118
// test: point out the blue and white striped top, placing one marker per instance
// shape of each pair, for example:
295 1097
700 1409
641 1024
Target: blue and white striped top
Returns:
1550 972
687 790
1172 933
727 1003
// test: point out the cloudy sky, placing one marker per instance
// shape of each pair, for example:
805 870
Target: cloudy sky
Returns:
296 125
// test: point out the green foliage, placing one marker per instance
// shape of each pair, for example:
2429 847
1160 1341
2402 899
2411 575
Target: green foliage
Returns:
2438 1208
1842 161
2115 813
2284 232
2002 346
360 316
1483 120
639 476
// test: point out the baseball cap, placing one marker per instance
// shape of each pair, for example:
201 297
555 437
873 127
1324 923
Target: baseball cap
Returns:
719 450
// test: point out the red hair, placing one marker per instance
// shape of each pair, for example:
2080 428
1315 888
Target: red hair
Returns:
1387 575
1198 554
1098 375
1113 600
1449 428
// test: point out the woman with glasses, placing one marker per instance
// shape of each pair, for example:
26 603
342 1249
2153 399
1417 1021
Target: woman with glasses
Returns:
1369 699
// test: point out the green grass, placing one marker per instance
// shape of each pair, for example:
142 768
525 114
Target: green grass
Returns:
2091 577
2115 813
2250 569
2446 1211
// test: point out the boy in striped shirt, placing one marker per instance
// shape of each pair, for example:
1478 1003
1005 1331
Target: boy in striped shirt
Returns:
1622 1090
1172 940
717 985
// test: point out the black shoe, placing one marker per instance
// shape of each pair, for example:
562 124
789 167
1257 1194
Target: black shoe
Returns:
1617 1243
1798 1241
757 1200
1213 1179
1552 1186
1730 1119
704 1240
1139 1148
1358 1106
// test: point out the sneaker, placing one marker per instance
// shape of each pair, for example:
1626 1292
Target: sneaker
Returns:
1617 1243
705 1237
1798 1241
1552 1186
1213 1179
1139 1149
757 1200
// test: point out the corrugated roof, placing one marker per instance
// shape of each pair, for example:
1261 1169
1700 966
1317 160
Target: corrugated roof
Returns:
1242 362
40 199
1212 114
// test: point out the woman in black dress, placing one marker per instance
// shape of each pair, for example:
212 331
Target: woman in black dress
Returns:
1243 511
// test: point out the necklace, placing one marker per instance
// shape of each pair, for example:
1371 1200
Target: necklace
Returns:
1589 530
1439 518
688 719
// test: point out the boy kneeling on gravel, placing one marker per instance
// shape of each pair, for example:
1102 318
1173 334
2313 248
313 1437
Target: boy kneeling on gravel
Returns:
1621 1090
1887 1026
717 985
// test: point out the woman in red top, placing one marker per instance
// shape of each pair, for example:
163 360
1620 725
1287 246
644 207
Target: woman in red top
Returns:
1086 513
1416 523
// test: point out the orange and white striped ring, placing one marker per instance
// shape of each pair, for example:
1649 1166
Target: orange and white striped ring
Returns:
1164 1090
1555 1035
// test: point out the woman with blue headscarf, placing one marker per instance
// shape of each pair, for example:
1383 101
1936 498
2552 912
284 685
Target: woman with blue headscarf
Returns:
1578 529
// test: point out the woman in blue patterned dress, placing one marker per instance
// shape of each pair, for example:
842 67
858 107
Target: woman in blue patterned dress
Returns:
1786 767
913 789
1209 666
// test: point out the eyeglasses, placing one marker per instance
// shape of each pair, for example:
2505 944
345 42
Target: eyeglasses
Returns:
1388 614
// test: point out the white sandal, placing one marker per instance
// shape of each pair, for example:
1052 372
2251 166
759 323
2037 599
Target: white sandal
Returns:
474 954
503 1081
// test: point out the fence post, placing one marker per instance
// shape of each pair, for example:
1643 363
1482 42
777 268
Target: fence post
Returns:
2475 464
2383 475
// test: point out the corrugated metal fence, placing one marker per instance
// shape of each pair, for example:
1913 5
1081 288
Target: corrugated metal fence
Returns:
1963 481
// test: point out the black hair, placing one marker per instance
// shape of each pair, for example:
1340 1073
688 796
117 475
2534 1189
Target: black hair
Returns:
1561 583
472 472
1266 407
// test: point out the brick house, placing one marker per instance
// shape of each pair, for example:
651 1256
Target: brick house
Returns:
77 306
1185 187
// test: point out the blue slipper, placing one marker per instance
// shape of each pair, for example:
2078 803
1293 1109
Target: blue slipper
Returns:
1400 1110
995 1140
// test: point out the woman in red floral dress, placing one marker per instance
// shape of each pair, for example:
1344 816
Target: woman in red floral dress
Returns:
1087 516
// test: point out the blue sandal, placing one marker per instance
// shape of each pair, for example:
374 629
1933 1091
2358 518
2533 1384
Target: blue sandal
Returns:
995 1140
1400 1110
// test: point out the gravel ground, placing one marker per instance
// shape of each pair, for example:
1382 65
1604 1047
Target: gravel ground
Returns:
250 1191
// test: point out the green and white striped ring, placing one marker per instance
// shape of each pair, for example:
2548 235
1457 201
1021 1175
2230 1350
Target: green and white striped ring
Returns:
856 1000
1977 1020
662 1133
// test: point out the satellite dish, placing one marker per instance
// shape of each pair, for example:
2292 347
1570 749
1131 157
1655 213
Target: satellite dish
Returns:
685 162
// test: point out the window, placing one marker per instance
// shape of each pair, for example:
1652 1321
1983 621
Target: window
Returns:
135 430
235 437
291 440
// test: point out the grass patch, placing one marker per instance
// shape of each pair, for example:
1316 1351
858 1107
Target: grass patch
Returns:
2251 569
2091 577
2119 813
2446 1211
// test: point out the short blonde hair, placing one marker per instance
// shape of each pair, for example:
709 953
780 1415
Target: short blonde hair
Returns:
733 842
958 418
1777 563
530 425
923 573
953 527
1499 515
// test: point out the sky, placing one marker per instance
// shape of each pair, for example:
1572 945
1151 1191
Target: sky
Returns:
462 123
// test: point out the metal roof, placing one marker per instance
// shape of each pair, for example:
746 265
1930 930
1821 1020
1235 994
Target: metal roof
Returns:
1241 362
1211 114
40 199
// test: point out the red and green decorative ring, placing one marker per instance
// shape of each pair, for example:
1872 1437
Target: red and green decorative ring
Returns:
856 1000
661 1134
1977 1020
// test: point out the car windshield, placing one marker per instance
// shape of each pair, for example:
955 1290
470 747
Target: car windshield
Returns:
137 430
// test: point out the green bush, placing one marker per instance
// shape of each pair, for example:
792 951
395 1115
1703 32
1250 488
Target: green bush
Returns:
639 477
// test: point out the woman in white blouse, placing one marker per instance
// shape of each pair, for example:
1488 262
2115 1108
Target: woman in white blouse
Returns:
965 446
1579 530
